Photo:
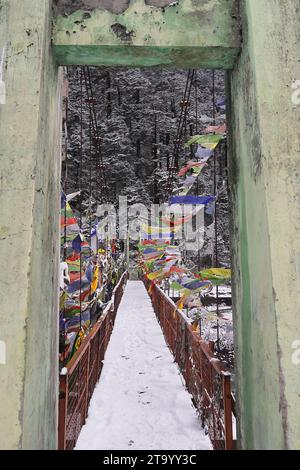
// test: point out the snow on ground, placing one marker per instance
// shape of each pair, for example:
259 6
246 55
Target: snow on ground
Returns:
140 401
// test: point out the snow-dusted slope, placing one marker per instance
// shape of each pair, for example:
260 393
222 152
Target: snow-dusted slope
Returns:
140 401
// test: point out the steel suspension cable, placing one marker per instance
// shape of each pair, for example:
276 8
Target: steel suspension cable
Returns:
216 207
180 130
182 119
90 189
65 201
96 137
197 187
66 174
95 130
80 189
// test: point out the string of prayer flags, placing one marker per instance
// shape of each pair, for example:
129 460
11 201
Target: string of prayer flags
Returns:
71 308
73 263
153 248
95 281
155 275
94 239
71 196
222 129
180 303
221 104
83 285
156 231
207 141
85 250
159 260
193 200
203 154
198 169
216 275
78 285
184 191
182 220
151 242
68 221
77 242
178 270
73 323
189 165
153 256
189 181
178 220
175 285
89 271
166 261
173 250
195 284
210 208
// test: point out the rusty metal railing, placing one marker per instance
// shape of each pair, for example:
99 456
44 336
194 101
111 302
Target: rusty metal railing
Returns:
205 376
79 377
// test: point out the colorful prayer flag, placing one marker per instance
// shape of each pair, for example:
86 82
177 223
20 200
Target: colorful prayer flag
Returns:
193 200
207 141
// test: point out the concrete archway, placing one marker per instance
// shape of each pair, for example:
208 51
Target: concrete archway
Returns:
264 156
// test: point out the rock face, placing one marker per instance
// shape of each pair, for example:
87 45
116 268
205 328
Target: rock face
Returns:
138 112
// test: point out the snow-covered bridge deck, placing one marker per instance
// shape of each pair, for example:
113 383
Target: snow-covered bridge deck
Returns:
140 401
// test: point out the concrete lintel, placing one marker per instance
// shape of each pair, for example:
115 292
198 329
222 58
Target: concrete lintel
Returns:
189 34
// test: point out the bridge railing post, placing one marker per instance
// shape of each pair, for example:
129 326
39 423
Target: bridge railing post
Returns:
227 404
87 380
62 408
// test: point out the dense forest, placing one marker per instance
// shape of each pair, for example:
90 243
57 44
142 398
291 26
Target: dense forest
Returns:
137 113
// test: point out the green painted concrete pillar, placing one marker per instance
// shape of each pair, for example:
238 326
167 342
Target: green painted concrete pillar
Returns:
265 173
29 227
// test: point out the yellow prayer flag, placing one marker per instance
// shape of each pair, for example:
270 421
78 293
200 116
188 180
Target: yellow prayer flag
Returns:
94 284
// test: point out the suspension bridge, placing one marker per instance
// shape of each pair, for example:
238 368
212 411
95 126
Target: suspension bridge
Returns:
141 401
79 305
258 47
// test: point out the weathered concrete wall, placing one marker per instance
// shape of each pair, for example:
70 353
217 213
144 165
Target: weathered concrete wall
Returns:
29 230
265 181
265 174
186 33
